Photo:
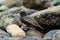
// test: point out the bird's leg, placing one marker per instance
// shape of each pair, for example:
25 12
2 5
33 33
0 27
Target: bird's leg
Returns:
22 24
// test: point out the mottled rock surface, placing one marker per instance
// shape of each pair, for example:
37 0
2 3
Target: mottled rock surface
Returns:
53 34
22 38
3 34
34 33
27 10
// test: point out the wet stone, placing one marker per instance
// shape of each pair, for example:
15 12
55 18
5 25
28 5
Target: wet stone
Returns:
3 34
35 33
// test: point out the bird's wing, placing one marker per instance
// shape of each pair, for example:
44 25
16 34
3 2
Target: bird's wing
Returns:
32 21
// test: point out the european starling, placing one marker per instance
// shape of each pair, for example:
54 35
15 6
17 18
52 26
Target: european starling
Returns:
29 19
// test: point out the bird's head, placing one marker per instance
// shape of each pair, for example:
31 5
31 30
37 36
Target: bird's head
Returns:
23 13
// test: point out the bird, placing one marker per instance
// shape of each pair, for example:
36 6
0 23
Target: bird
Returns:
29 20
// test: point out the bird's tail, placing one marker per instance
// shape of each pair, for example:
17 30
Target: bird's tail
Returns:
40 26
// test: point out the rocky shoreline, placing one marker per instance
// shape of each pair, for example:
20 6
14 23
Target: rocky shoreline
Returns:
29 19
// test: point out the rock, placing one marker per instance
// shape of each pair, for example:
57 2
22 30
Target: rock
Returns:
54 2
37 4
1 24
2 2
31 38
9 15
10 3
18 3
57 35
22 38
15 31
27 10
16 10
41 4
48 20
10 11
8 21
30 3
52 34
35 33
3 34
3 7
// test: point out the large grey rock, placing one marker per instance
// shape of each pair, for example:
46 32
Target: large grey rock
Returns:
9 17
3 34
53 35
10 11
22 38
57 35
17 10
27 10
31 38
8 21
1 23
